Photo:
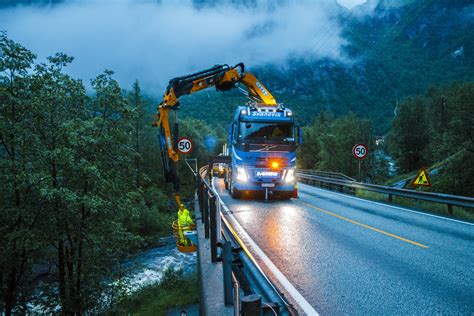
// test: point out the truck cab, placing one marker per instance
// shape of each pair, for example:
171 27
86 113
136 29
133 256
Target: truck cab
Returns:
262 145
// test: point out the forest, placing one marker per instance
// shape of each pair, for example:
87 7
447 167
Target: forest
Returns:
433 129
81 183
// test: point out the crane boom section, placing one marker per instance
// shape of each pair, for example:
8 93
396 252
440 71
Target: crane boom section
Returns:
256 88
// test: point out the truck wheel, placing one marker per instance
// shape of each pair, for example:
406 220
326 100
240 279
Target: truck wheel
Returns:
236 194
285 195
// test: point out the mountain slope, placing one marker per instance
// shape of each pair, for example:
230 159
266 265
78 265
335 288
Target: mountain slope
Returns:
398 50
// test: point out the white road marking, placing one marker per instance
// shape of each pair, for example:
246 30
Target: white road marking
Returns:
386 205
299 299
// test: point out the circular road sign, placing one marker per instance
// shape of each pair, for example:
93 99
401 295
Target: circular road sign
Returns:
359 151
185 145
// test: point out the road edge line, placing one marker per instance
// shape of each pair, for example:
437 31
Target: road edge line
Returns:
299 299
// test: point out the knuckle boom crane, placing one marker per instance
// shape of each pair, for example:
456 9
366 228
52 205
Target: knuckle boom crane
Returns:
223 78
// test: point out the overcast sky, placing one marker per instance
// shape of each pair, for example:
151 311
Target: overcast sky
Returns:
153 42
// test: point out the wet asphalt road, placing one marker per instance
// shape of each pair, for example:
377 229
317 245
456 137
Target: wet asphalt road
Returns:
350 256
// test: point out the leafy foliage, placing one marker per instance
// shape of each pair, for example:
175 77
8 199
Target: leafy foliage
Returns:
80 182
327 145
437 126
174 290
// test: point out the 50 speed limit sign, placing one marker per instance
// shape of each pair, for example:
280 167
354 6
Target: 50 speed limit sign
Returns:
185 145
359 151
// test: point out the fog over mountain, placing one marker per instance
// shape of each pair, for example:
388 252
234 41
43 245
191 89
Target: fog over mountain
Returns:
155 41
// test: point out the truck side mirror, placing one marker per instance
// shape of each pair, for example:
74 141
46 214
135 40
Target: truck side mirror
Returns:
299 135
231 134
234 133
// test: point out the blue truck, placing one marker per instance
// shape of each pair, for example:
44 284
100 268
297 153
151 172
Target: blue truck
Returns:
262 146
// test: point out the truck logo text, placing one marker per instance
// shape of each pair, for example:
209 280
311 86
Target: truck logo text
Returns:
267 174
273 114
265 93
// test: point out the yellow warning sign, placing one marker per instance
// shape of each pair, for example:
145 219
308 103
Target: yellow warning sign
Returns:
421 179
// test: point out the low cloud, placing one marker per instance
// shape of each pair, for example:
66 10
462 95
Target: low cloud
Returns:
155 41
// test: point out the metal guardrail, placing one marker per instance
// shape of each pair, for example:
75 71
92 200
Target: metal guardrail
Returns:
350 186
235 258
326 174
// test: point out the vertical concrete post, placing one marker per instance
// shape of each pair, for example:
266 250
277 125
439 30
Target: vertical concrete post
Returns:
205 214
251 305
213 218
219 221
236 295
227 271
199 194
450 209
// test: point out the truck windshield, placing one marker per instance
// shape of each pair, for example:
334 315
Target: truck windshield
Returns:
268 131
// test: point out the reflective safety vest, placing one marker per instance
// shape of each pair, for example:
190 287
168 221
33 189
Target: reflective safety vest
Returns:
183 218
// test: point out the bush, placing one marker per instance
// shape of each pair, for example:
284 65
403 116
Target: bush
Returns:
175 289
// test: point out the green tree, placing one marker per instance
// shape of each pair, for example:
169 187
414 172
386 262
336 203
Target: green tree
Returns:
309 153
138 103
327 144
71 186
19 177
409 135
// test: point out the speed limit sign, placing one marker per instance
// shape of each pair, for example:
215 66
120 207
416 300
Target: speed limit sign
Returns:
185 145
359 151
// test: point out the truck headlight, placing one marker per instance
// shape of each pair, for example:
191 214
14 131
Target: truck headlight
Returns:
241 174
290 175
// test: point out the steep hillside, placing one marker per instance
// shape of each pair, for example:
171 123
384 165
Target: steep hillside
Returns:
12 3
400 49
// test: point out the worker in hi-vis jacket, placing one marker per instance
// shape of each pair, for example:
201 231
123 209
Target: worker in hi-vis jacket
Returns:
184 222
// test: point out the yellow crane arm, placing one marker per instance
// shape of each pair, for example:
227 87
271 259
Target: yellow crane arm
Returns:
257 89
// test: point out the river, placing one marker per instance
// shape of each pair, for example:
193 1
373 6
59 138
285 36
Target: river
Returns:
145 268
148 266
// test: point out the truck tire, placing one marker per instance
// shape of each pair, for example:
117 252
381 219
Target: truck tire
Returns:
236 194
285 195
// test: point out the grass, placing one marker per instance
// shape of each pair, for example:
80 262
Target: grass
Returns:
395 179
174 290
423 206
411 175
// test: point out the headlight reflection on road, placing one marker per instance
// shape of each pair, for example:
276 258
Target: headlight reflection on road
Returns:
283 230
291 236
288 212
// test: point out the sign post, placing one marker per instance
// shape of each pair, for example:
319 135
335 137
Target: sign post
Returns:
360 152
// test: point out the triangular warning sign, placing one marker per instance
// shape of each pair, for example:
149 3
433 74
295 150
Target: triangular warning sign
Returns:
421 179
